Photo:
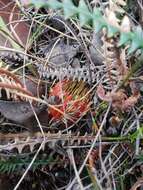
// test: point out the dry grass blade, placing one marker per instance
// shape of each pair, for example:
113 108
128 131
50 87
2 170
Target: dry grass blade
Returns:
138 184
92 100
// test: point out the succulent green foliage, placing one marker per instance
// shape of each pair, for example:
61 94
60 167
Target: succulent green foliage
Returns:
14 164
94 18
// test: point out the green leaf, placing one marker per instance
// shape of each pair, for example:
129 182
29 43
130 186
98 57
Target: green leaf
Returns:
111 30
124 38
69 9
37 4
98 25
136 134
134 46
98 20
84 15
54 4
137 40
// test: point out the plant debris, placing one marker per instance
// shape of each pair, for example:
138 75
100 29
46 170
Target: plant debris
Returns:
71 94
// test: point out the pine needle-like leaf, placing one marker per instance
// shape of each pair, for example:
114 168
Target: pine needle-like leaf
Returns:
16 164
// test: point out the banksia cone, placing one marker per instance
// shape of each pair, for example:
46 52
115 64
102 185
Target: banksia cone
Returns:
71 98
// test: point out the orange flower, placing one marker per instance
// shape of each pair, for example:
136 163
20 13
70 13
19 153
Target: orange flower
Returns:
71 98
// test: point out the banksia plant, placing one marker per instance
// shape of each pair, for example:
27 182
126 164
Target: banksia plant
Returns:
71 98
97 20
13 86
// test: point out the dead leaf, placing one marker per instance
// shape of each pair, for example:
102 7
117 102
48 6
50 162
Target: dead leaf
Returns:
130 102
138 184
101 94
19 112
12 17
119 99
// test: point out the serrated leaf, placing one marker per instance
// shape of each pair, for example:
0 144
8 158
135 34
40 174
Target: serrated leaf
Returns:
137 40
54 4
69 9
84 14
98 25
111 30
124 38
97 13
134 46
139 36
38 4
98 20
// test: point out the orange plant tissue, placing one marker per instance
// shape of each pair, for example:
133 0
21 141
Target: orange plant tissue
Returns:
71 98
